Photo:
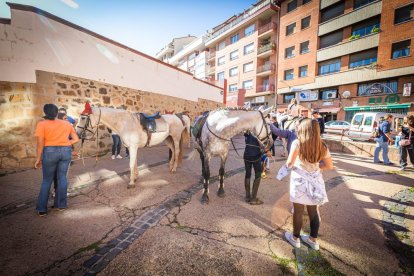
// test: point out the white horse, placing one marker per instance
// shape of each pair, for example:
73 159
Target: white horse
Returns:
222 125
128 126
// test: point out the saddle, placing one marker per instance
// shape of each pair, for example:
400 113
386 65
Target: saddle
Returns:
149 124
198 124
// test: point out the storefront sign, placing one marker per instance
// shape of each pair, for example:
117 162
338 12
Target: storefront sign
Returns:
354 103
407 90
327 103
308 95
260 99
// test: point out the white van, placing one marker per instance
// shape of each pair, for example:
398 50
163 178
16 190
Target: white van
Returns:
364 123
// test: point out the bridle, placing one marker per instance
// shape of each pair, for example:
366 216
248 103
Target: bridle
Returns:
88 127
265 141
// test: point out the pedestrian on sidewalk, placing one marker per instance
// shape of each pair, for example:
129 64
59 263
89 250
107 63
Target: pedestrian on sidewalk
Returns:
252 158
274 136
383 140
116 145
316 116
55 152
407 133
307 187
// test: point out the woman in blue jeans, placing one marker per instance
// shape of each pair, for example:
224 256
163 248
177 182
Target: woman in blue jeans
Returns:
54 151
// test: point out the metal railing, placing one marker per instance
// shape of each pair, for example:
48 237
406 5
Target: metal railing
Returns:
266 67
265 48
265 88
267 27
242 17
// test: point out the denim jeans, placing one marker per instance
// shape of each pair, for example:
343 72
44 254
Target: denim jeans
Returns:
384 147
116 144
54 159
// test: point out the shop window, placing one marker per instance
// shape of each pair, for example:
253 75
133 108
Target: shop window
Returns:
288 97
375 88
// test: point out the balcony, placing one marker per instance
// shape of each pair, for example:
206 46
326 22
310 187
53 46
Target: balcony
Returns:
350 18
212 55
346 48
266 50
269 88
239 20
266 69
327 3
212 70
267 29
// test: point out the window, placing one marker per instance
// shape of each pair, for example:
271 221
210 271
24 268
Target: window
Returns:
289 74
304 47
358 120
221 60
221 45
305 22
360 3
220 76
288 97
363 58
234 55
404 14
249 30
303 71
332 11
305 2
290 29
365 29
248 84
401 49
330 66
290 52
234 38
233 71
329 93
248 67
248 48
292 5
368 121
233 87
330 39
375 88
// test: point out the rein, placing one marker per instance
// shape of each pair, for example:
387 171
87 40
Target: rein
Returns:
96 132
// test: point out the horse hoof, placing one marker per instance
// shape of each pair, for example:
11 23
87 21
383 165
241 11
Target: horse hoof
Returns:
205 199
131 186
221 193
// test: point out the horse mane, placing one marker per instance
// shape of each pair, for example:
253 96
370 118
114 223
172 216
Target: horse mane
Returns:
233 108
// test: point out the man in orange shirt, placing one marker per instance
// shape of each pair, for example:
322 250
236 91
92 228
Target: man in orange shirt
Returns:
55 152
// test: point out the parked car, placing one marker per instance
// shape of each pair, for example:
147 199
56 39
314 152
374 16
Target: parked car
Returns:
328 123
338 127
364 123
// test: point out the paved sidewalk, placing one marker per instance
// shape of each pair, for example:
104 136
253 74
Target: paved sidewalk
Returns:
161 227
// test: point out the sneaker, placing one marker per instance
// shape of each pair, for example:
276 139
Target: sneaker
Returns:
41 214
402 169
307 240
113 157
119 156
379 162
291 240
389 164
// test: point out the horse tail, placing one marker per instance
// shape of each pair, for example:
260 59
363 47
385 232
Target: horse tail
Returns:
183 137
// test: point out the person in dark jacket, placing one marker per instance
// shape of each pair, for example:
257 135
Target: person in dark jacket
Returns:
407 132
252 158
316 116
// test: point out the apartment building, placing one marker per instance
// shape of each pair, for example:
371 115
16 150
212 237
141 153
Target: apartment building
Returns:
175 46
345 56
242 51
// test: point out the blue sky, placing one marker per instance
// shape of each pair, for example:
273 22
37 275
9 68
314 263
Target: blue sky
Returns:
145 25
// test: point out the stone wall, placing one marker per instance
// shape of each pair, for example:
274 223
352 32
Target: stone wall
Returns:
21 107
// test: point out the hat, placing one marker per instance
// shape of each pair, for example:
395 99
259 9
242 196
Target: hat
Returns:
50 111
315 112
87 110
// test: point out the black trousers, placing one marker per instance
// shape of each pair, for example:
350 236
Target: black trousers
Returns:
254 162
404 151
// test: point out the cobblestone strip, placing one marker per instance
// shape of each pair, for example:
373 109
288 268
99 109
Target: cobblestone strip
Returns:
150 218
396 232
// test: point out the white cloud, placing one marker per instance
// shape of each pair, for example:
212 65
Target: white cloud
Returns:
71 3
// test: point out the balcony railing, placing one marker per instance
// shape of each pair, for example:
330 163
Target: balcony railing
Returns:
266 67
265 48
265 88
212 55
267 27
242 17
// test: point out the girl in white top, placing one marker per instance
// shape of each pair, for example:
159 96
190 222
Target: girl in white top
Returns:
307 158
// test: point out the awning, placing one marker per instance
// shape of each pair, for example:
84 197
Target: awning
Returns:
376 107
329 110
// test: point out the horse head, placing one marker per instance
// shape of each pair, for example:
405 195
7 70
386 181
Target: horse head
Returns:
262 130
88 121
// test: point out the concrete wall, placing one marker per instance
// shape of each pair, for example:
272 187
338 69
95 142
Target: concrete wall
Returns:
36 40
21 107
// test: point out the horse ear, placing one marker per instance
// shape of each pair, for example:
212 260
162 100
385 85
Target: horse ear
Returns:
267 111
